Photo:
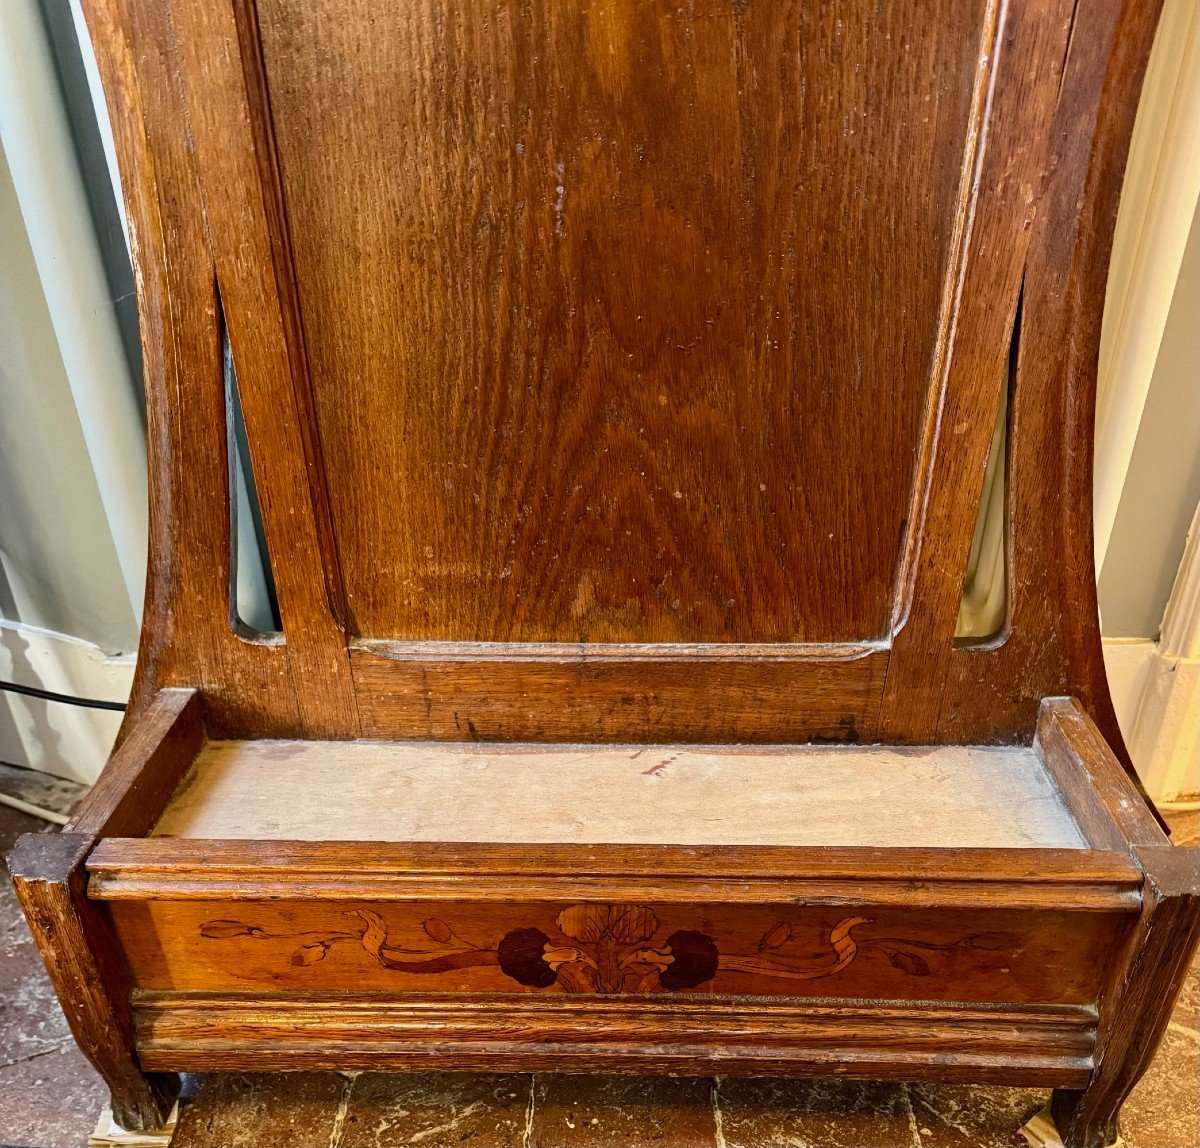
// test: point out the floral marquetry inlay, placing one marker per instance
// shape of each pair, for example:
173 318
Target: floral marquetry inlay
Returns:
607 949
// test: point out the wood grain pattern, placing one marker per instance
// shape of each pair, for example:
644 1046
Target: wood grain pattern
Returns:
1137 1007
854 951
1029 49
74 935
187 639
1044 1045
233 142
1051 641
252 686
649 795
619 372
1099 793
143 774
683 252
87 970
173 869
724 692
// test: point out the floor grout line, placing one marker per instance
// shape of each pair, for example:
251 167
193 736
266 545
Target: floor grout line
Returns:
913 1127
718 1115
339 1117
32 1056
527 1135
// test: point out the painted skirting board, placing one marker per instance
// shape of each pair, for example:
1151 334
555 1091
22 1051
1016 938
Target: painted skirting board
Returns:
1157 698
65 740
1164 734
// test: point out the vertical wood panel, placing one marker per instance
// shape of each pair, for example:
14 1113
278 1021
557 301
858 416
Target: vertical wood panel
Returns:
1028 60
621 314
1051 645
503 268
229 123
187 639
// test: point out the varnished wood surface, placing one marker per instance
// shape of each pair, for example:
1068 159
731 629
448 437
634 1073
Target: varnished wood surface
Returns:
581 325
650 692
1106 805
656 794
87 969
188 640
1023 95
233 147
854 951
175 869
1051 635
686 266
144 773
1046 1045
1135 1010
1026 59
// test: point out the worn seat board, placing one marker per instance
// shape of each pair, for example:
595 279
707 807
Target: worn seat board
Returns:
948 796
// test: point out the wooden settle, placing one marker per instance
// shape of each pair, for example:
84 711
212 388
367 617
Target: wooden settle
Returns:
619 382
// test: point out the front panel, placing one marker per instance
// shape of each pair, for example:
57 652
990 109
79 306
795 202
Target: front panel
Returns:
853 952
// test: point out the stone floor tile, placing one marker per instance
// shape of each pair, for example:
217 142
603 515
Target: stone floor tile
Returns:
268 1110
973 1116
13 823
1164 1109
623 1112
1185 825
436 1110
51 1101
54 793
815 1114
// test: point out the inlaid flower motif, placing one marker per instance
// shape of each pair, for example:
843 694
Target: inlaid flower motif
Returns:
522 954
609 948
608 951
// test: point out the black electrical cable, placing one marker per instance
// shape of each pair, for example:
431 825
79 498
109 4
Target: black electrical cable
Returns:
66 699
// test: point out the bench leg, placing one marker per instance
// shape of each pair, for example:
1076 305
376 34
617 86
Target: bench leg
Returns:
88 972
1137 1007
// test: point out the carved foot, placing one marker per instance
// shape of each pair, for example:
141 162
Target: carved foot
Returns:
145 1105
1082 1124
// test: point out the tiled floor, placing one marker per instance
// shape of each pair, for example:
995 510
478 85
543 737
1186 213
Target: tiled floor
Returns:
49 1096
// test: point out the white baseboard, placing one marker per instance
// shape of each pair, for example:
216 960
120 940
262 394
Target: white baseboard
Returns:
1157 698
1165 740
65 740
1127 661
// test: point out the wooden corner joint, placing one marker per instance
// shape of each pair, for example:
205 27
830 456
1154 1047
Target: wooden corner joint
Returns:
142 774
39 858
1172 871
1142 992
1109 805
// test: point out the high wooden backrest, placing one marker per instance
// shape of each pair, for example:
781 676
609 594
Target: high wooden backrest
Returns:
623 370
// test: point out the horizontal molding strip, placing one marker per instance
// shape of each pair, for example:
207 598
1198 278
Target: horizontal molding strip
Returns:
193 869
1048 1045
583 652
636 692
